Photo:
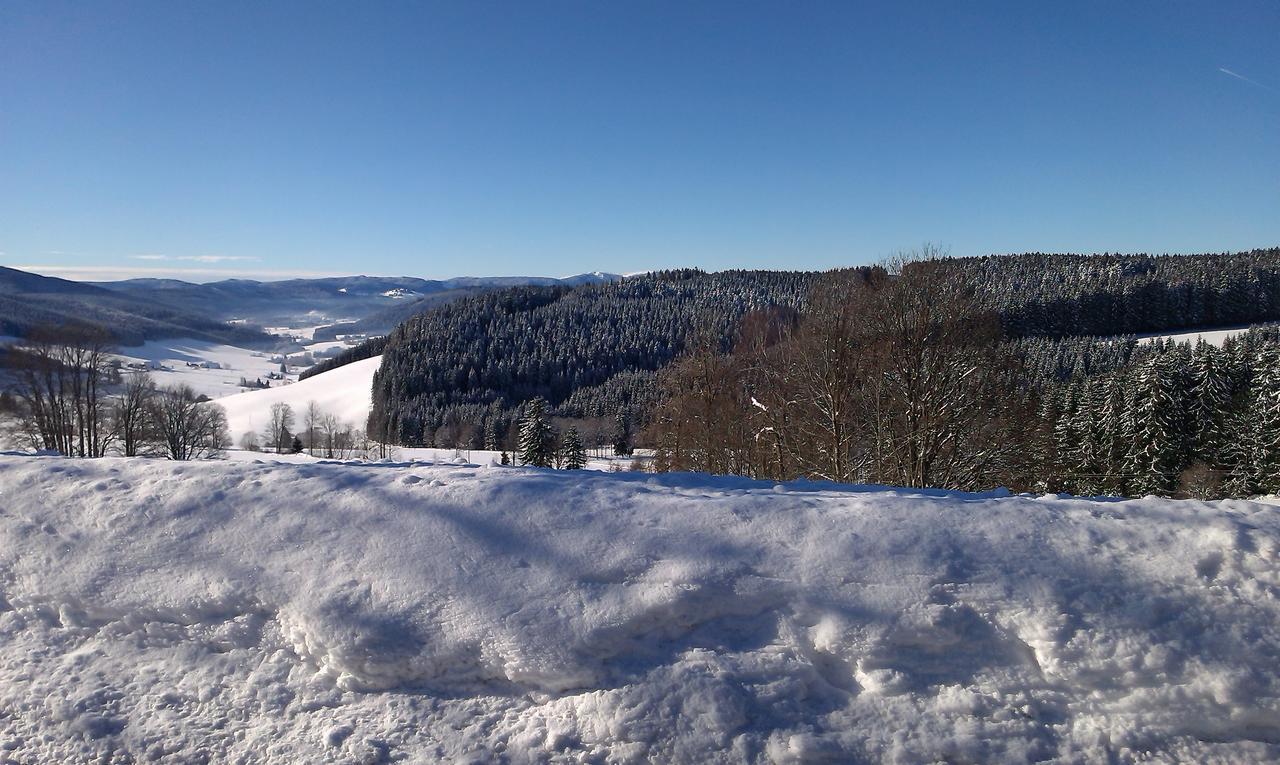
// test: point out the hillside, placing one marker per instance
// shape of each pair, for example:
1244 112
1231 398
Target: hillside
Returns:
28 300
476 358
373 612
344 392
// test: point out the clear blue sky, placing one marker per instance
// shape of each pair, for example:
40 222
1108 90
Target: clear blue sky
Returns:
445 139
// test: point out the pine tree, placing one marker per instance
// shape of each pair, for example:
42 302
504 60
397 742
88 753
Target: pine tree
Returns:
1154 454
1093 440
491 434
1210 403
622 440
535 435
1067 437
1265 421
572 455
1112 423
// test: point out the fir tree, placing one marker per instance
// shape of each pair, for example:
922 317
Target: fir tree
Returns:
622 435
491 434
1156 446
572 455
535 435
1265 421
1210 403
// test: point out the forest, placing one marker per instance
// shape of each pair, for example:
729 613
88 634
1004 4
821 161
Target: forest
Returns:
1020 371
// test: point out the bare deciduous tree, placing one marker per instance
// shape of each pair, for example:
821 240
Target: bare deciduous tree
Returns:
189 427
893 375
131 413
62 374
279 433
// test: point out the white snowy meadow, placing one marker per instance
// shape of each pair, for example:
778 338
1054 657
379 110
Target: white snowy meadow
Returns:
323 612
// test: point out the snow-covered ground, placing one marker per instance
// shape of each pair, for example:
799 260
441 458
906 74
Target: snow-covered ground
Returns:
241 612
217 368
596 459
1213 337
345 392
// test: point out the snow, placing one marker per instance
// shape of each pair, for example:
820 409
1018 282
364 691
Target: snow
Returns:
169 363
411 454
345 392
1214 337
324 612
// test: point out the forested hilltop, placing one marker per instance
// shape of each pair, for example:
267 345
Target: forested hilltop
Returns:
589 351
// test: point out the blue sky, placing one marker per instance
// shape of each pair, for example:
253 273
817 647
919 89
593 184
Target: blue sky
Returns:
206 139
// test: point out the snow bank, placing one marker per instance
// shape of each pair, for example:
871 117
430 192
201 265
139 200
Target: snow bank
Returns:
345 392
248 612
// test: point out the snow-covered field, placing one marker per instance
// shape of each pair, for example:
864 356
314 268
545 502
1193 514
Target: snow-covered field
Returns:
269 612
1213 337
209 368
345 392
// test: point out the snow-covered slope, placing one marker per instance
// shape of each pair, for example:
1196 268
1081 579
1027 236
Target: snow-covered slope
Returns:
346 392
1213 337
211 369
240 612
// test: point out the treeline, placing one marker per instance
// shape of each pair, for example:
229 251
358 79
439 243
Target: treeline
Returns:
586 351
1061 295
68 395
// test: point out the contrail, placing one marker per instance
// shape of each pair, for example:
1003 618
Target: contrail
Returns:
1241 77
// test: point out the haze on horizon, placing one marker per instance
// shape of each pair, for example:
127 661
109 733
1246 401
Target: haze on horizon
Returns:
441 140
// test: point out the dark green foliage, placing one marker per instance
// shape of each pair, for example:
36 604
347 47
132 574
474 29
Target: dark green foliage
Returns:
1199 421
589 351
1062 295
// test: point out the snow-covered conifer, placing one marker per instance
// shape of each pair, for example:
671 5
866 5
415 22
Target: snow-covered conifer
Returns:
572 455
536 446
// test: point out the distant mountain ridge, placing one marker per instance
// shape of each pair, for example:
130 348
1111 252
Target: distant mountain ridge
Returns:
377 302
29 300
137 310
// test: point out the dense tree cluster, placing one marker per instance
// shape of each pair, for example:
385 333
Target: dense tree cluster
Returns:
1061 295
463 364
1179 419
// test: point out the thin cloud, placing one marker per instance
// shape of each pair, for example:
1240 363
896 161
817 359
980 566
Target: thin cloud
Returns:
197 258
1242 78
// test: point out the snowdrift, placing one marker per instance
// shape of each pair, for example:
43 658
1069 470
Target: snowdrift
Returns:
242 612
